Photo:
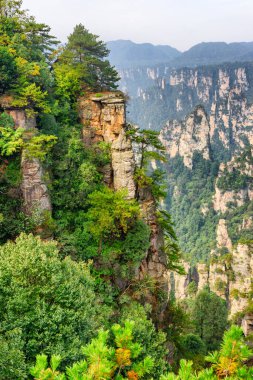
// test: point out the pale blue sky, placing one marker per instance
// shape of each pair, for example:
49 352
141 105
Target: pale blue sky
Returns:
179 23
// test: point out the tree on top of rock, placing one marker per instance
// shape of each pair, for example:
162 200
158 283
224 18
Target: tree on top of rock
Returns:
86 54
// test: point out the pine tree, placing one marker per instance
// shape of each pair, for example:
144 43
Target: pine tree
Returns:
87 54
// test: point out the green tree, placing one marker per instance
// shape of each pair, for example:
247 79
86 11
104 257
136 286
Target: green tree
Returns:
12 358
234 352
25 48
111 215
210 318
10 139
153 341
86 53
49 300
8 70
102 361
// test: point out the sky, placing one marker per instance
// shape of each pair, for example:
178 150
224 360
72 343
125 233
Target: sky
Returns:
179 23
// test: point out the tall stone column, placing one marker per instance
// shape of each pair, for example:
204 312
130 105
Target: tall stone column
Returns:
34 190
103 118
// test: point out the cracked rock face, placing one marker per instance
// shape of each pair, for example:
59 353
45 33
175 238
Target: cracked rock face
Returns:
33 187
185 138
104 119
223 93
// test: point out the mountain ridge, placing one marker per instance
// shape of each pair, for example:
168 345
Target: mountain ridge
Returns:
128 54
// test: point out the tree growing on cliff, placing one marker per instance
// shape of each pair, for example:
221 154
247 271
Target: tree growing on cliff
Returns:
87 55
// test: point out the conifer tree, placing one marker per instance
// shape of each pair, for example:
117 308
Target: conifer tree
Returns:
87 54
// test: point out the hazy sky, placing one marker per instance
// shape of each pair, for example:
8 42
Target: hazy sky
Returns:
179 23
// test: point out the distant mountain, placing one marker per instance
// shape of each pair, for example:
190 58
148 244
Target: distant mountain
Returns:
207 53
127 54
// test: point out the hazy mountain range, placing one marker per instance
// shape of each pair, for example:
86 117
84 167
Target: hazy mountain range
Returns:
127 54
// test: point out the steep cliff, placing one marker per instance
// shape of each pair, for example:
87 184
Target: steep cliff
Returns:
185 138
103 119
230 278
224 90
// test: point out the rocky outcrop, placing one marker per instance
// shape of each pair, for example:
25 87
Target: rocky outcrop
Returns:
223 240
228 274
228 125
231 280
103 119
185 138
247 325
34 188
238 169
240 286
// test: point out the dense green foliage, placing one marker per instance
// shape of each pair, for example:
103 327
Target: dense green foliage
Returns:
118 361
48 303
86 54
110 362
190 192
210 318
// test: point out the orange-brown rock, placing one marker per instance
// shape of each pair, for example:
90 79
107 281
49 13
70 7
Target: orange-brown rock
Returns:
103 118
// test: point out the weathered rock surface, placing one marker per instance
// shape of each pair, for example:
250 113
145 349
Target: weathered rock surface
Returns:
230 276
223 199
154 265
185 138
231 281
34 188
226 121
104 119
224 90
223 240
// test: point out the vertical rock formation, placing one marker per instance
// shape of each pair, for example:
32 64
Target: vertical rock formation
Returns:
185 138
103 119
231 281
35 194
154 264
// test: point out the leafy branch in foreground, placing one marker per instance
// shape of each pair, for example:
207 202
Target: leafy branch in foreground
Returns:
102 361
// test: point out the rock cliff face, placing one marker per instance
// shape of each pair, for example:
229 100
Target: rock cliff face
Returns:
210 176
240 171
155 262
224 90
185 138
232 281
225 94
103 119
